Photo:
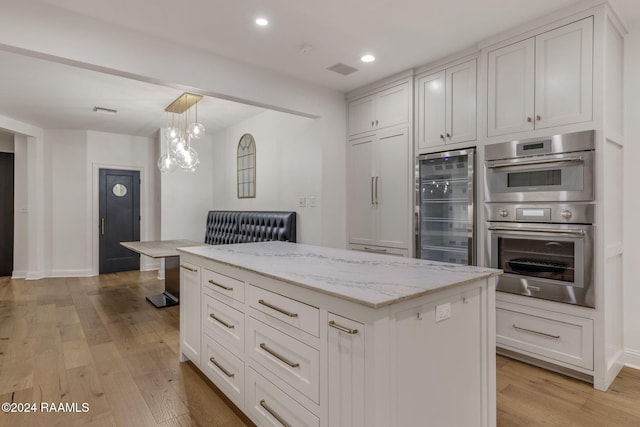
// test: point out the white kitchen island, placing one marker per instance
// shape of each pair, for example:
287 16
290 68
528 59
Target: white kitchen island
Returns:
300 335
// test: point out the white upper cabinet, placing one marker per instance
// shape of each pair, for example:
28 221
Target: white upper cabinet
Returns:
447 106
564 75
431 110
541 82
383 109
511 88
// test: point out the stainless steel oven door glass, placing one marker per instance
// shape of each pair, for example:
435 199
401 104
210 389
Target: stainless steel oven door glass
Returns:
549 261
559 168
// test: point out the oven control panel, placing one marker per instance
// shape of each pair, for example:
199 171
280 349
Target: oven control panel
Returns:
569 213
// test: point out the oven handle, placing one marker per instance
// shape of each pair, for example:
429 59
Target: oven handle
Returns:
572 231
497 165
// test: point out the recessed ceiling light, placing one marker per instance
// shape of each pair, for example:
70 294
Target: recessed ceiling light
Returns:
368 58
262 22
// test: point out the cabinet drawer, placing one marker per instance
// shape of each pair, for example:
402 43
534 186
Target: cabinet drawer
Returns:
564 338
223 285
295 313
294 362
224 369
224 323
267 405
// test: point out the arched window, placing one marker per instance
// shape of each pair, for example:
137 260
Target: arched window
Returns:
246 167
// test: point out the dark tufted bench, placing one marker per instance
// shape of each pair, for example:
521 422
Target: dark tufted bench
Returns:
225 227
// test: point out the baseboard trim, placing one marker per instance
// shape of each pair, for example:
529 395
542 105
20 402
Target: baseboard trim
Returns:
70 273
34 275
632 358
19 274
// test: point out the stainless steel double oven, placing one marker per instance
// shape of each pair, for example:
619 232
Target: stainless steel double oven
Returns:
540 215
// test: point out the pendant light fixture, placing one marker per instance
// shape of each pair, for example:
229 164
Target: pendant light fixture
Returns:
179 135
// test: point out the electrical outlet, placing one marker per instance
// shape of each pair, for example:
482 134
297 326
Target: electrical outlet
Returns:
302 202
443 312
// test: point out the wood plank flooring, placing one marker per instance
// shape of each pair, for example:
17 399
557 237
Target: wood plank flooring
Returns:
97 340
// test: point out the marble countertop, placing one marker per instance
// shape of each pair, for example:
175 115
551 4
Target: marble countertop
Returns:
159 248
370 279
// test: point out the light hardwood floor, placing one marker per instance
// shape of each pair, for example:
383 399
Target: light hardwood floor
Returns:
97 340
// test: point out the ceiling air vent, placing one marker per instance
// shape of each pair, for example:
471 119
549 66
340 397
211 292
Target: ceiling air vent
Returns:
343 69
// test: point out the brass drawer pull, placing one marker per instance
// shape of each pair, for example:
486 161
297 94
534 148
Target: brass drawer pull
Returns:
217 319
277 356
226 288
536 332
193 270
343 328
224 371
278 309
274 414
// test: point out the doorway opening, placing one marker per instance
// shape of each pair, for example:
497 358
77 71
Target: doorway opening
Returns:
7 168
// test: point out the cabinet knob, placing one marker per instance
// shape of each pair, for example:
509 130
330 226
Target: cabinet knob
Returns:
449 136
441 136
538 117
372 123
529 119
376 122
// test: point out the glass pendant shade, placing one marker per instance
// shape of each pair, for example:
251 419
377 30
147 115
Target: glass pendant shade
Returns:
187 158
178 146
167 164
172 133
196 130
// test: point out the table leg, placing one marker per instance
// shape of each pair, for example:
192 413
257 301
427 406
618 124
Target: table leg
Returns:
171 294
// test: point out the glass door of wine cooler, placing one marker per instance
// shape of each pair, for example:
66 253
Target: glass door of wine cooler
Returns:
446 206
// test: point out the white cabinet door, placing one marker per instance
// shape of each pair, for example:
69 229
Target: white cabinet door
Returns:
345 353
190 320
362 115
431 110
542 82
360 191
461 102
386 108
391 189
564 75
511 88
379 190
447 106
392 106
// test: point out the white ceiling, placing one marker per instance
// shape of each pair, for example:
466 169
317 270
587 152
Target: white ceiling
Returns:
50 95
402 34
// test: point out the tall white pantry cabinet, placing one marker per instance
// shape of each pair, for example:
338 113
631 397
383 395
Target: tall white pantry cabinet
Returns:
380 167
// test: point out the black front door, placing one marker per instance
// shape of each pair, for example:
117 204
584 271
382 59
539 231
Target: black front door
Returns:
119 219
6 213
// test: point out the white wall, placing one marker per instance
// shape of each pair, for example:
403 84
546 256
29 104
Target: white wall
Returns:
631 276
67 199
115 151
20 217
6 142
288 166
185 197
